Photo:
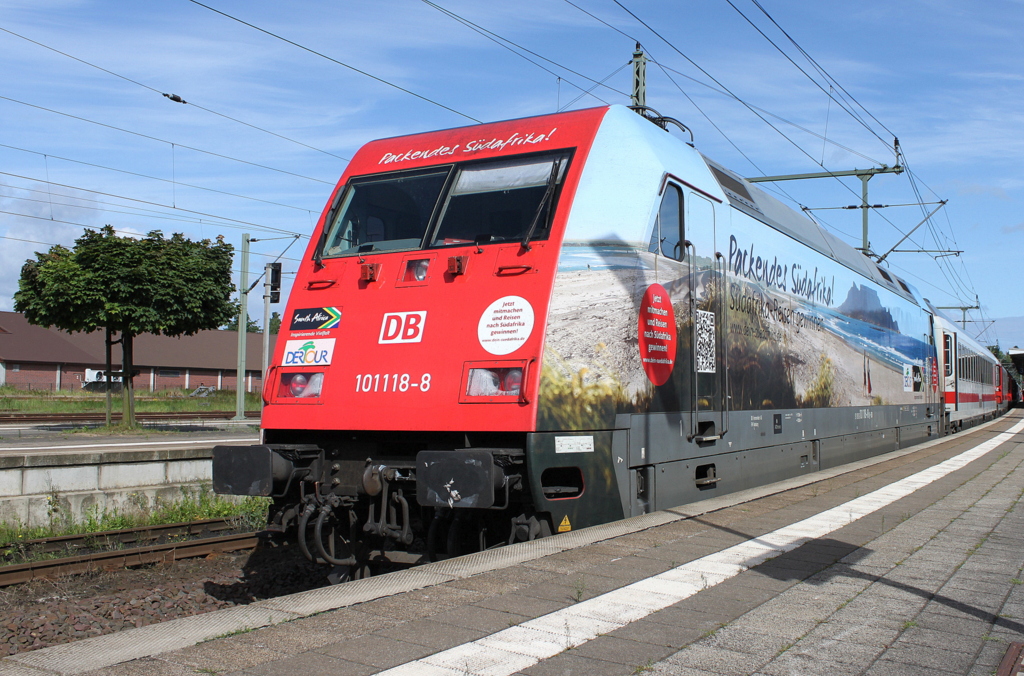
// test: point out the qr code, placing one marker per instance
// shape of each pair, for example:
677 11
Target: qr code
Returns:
705 342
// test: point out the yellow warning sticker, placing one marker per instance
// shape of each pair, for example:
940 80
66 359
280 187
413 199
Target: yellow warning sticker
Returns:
565 526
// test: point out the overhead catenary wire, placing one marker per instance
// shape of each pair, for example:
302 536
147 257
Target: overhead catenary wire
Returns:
821 69
745 104
942 265
140 212
755 110
504 42
333 60
276 257
109 210
173 97
837 100
152 178
226 222
160 140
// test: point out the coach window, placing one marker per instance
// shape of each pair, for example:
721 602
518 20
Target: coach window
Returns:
668 226
947 354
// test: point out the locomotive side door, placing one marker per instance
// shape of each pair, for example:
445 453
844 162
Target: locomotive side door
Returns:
708 303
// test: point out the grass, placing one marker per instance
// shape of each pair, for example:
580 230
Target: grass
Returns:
646 666
79 401
138 510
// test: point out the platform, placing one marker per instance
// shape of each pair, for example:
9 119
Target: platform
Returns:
909 563
85 472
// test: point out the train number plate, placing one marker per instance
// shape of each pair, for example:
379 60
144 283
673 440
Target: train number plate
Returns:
392 382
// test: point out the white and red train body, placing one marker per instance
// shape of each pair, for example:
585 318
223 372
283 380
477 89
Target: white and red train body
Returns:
518 328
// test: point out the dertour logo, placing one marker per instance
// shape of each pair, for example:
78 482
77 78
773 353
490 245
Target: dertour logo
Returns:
308 352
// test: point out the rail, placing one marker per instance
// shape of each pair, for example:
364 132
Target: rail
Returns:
120 548
57 418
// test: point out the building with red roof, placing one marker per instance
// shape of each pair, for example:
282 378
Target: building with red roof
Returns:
38 358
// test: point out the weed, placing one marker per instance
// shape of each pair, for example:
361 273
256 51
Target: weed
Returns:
784 648
197 502
234 632
1016 580
908 624
646 666
711 632
579 587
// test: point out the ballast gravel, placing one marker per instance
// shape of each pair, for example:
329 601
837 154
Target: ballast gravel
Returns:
43 613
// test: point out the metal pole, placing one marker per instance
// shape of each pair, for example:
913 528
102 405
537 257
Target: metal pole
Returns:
106 375
639 97
266 322
243 324
865 244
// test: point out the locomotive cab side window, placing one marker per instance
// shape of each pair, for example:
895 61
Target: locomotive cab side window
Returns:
501 201
668 226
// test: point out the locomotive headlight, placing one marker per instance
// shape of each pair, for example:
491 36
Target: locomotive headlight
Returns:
416 270
420 271
512 381
298 384
301 385
313 386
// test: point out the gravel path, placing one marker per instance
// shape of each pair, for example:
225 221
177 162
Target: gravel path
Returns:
43 613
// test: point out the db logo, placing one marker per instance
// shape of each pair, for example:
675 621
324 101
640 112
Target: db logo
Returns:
402 327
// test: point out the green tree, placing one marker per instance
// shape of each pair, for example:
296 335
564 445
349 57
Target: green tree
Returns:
250 325
155 285
275 322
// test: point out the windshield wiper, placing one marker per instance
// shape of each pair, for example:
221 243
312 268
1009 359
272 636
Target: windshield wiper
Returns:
544 203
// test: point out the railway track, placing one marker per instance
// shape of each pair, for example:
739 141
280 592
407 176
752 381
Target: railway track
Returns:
57 418
24 561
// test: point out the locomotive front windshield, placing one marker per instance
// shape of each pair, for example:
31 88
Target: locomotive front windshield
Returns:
492 201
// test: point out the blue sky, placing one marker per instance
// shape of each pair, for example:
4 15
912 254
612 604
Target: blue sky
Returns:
942 76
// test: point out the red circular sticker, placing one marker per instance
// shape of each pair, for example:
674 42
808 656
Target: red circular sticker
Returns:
657 333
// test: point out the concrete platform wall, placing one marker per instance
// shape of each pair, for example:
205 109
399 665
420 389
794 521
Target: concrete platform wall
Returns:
36 489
